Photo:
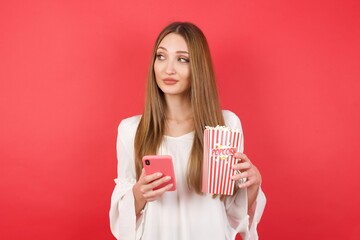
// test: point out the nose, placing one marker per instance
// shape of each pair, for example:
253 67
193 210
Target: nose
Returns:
170 68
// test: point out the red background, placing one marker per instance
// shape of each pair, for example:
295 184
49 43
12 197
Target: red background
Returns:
71 70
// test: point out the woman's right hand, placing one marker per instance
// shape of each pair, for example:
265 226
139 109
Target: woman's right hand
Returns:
143 189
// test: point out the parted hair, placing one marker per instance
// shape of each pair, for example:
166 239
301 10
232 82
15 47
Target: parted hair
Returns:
203 97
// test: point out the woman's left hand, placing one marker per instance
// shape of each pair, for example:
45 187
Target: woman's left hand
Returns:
248 175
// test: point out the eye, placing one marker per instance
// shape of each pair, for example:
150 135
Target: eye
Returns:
160 56
183 60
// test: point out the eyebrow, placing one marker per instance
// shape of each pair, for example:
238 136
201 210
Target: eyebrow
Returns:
176 51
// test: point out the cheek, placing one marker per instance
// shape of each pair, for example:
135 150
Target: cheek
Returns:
157 69
187 74
183 71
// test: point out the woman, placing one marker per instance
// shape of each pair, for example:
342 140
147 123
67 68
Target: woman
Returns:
181 100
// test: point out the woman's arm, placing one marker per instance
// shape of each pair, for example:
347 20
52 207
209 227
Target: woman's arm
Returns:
143 189
248 177
122 211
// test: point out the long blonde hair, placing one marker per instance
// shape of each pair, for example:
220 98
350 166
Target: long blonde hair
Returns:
203 96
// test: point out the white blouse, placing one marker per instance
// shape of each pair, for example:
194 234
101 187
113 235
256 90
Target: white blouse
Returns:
181 214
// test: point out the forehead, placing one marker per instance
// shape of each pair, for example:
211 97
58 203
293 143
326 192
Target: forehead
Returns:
173 42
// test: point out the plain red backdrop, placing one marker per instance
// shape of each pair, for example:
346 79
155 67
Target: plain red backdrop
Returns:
71 70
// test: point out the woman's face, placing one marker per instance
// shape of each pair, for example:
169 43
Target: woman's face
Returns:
171 66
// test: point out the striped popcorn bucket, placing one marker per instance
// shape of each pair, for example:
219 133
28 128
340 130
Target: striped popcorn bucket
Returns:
220 145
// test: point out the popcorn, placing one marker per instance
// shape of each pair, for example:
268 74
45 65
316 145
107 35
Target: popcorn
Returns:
220 145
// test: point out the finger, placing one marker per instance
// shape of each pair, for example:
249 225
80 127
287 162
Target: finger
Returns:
242 166
156 194
237 177
240 178
242 156
241 175
252 178
152 177
149 186
143 174
246 184
158 182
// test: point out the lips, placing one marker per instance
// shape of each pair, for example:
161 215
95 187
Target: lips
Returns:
170 81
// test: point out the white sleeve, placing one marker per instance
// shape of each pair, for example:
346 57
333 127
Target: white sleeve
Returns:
241 219
256 212
122 215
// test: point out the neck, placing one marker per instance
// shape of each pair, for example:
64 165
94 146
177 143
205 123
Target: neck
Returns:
179 116
178 108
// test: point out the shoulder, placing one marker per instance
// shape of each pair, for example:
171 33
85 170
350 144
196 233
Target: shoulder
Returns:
129 125
231 119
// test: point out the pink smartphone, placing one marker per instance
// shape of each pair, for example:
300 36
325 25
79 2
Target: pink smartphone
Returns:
160 163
